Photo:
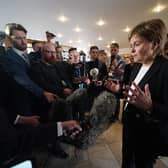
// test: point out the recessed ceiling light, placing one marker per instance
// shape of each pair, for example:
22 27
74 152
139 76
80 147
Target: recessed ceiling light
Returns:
127 29
100 38
158 8
29 45
77 29
108 46
59 35
62 18
113 41
70 41
100 22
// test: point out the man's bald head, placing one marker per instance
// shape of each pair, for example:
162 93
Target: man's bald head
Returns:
48 52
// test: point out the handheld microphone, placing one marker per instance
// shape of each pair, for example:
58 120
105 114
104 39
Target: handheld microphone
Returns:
94 72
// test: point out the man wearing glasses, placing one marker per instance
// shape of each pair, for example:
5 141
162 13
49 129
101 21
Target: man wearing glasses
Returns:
49 75
21 103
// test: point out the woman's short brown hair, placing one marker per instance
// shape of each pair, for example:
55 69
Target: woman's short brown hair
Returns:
153 30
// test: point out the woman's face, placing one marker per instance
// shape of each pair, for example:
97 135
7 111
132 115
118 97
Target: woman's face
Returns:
142 50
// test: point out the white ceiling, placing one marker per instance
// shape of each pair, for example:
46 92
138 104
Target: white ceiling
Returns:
41 15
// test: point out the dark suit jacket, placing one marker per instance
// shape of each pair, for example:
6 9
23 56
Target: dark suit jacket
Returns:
14 97
65 70
127 73
2 51
8 139
35 56
97 64
49 77
14 140
92 89
21 140
18 69
137 123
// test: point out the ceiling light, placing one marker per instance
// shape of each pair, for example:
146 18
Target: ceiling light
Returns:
59 35
62 18
100 22
29 45
70 41
108 46
158 8
127 29
77 29
113 41
100 38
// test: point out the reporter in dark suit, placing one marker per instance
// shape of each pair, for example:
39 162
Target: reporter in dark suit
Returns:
95 63
147 96
22 136
95 88
16 140
17 61
47 73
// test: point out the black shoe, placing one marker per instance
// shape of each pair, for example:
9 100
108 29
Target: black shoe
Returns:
74 142
59 153
113 119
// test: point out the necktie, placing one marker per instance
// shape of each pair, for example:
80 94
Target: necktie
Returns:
26 58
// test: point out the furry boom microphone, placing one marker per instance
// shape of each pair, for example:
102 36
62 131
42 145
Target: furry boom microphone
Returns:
97 120
102 110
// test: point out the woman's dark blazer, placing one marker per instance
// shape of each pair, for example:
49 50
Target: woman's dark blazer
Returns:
138 125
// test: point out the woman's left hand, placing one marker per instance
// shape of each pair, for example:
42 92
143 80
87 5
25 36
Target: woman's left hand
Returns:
139 98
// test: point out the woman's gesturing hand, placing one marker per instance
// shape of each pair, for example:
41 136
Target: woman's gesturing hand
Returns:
139 98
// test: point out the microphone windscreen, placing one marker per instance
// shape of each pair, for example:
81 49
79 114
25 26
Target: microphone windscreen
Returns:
94 72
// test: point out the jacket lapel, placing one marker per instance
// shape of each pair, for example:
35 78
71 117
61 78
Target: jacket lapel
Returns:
17 58
134 72
152 71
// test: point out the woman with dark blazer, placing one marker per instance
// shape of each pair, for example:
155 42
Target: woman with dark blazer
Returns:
146 97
